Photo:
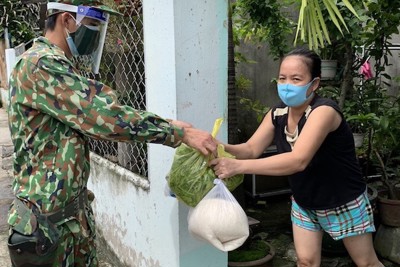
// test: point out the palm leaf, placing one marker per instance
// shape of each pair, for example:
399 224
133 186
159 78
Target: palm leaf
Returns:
312 23
350 7
335 14
300 23
318 22
324 29
313 26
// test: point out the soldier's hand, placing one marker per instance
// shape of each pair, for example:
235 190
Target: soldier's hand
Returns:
200 140
181 124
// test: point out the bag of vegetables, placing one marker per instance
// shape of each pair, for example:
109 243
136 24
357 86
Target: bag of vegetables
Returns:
190 177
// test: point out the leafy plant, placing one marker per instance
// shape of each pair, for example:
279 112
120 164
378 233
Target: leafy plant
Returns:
386 143
311 26
255 106
249 251
355 109
270 21
383 20
264 21
20 20
327 52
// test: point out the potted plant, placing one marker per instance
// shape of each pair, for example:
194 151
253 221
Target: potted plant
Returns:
386 147
386 151
255 252
329 64
360 124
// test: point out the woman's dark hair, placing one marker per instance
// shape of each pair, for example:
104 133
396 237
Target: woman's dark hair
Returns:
312 60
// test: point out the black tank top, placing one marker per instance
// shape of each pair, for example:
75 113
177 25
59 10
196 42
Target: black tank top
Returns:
333 176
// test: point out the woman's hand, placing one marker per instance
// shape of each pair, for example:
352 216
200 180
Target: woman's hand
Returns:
225 167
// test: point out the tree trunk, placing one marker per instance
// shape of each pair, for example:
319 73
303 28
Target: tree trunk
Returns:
232 91
347 83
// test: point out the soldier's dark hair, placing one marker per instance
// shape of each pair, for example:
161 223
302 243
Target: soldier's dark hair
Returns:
311 59
51 22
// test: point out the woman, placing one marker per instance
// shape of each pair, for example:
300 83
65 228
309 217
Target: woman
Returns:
316 150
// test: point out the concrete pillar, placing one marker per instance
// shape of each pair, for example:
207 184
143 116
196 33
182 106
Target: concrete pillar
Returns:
186 79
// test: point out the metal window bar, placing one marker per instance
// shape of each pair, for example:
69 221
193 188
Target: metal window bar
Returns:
122 68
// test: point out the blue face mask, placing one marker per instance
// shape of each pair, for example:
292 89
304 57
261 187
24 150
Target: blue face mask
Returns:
294 95
72 46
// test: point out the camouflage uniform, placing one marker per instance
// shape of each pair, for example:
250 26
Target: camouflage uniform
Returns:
52 112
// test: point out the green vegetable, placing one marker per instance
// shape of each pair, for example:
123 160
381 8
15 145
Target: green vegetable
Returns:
191 178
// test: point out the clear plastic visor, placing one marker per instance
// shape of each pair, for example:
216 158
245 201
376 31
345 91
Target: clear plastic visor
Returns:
91 13
94 20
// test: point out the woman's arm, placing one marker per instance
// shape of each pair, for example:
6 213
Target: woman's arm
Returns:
258 142
320 123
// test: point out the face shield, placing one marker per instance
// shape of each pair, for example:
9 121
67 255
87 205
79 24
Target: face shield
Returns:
88 39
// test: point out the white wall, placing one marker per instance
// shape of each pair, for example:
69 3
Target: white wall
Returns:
186 79
11 57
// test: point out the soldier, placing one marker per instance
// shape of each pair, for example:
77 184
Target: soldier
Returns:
52 112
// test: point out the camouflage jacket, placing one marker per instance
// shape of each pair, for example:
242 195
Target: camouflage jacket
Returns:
52 112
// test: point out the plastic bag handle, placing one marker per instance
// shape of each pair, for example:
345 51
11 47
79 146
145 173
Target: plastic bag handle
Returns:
217 126
217 181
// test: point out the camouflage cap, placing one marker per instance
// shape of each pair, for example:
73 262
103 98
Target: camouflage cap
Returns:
98 4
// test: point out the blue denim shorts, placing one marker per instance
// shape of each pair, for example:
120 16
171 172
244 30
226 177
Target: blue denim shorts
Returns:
350 219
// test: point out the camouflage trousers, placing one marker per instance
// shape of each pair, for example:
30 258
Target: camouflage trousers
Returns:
75 249
76 245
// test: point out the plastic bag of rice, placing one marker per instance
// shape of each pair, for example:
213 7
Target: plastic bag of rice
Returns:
219 219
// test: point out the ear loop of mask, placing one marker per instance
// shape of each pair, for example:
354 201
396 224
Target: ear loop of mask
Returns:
312 92
311 83
71 43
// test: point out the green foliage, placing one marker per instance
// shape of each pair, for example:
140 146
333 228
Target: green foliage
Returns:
264 21
256 106
361 122
383 21
254 250
312 25
20 19
386 142
354 110
243 84
338 39
320 22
